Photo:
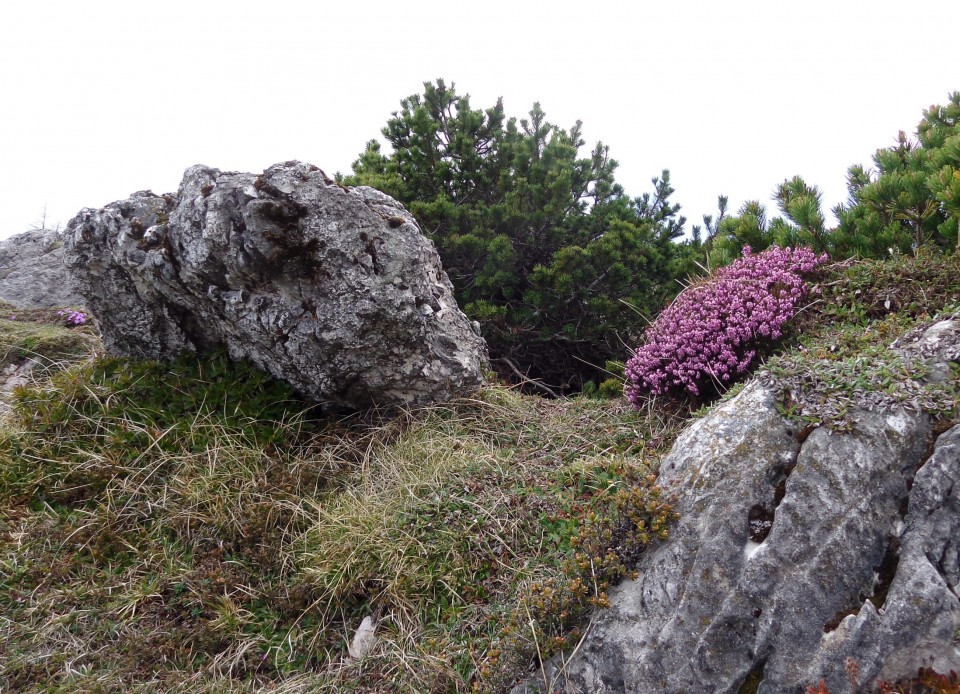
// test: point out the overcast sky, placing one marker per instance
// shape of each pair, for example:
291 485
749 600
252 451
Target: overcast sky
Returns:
104 98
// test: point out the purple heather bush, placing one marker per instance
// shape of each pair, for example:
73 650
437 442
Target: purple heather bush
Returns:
710 333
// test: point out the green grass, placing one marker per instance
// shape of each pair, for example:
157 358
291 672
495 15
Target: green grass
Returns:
193 527
41 335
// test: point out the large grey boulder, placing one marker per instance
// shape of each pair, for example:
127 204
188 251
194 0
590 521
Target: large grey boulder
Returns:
32 272
796 551
332 289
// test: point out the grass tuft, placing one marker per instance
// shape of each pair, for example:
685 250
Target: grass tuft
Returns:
193 526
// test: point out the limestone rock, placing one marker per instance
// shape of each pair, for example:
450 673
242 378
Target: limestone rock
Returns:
32 272
13 376
334 290
364 640
795 551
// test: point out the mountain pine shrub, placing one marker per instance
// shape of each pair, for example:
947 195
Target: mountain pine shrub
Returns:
711 331
543 247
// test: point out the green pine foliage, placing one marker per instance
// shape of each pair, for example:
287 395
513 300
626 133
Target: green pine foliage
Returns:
892 204
910 199
801 224
542 245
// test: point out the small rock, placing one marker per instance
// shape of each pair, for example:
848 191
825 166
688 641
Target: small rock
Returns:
364 640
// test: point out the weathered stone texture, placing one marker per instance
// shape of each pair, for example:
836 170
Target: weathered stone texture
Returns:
32 272
332 289
795 551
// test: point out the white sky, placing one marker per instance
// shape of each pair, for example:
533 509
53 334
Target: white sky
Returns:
103 98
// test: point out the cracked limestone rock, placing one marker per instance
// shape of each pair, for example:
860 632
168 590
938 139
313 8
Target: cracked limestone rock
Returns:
333 289
32 271
795 551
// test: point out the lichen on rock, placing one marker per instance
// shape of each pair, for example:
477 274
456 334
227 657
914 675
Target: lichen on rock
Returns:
332 289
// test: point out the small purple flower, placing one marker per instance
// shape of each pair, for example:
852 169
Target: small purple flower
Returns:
73 317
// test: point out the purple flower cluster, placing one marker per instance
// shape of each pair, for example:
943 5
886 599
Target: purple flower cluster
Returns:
710 332
73 317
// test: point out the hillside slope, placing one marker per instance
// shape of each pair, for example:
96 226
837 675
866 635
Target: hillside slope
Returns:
194 527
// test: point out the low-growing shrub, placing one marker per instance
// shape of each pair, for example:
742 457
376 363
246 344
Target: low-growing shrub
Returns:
629 514
711 332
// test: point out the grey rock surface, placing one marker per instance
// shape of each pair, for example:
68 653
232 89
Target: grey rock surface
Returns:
32 271
334 290
795 550
12 376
